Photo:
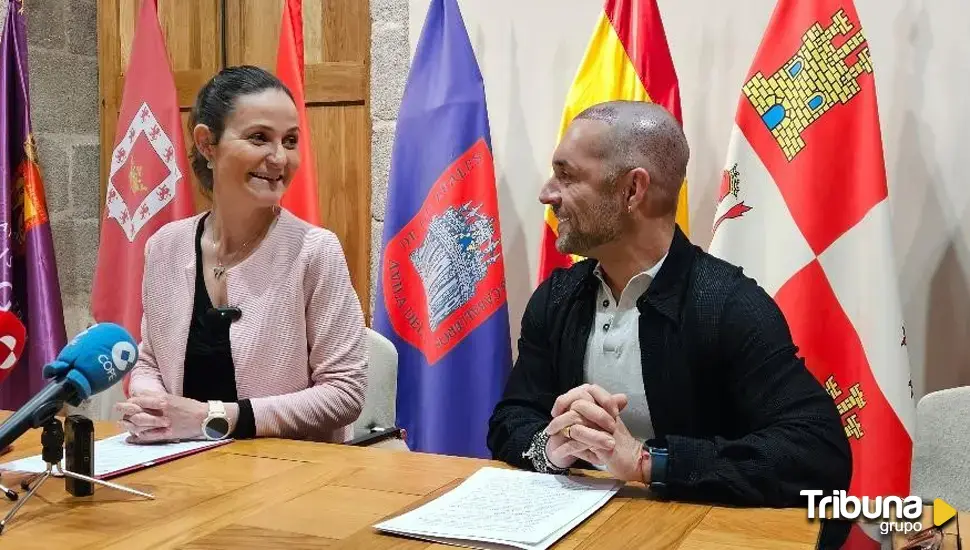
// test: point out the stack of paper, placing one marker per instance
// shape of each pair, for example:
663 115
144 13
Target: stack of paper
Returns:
114 456
496 508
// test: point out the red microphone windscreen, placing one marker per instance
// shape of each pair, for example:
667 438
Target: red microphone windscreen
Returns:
13 336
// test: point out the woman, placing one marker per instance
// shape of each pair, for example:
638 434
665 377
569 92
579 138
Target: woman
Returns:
251 326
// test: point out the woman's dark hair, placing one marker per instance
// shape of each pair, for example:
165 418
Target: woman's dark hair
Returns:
215 103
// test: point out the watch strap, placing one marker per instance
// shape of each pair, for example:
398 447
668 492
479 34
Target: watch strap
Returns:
658 469
217 408
536 453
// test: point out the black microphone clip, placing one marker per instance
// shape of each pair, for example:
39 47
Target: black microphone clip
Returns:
229 313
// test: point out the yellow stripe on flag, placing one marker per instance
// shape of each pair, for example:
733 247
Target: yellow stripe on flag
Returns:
606 73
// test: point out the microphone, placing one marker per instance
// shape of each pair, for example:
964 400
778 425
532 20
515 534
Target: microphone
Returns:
13 337
231 314
93 361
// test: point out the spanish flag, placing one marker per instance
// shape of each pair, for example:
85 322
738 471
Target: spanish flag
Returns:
627 58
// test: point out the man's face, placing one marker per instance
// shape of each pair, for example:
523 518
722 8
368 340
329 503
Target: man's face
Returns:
588 205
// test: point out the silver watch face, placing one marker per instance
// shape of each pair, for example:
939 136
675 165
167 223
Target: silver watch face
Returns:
217 428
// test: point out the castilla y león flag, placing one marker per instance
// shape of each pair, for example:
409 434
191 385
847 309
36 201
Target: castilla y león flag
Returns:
804 209
148 184
627 58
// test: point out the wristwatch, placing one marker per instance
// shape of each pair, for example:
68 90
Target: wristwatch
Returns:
658 469
216 425
536 453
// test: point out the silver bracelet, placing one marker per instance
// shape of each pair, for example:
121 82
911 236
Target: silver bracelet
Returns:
537 454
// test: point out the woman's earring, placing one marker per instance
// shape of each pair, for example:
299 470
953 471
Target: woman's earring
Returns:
209 165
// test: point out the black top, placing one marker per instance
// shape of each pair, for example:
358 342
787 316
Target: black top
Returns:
209 371
742 418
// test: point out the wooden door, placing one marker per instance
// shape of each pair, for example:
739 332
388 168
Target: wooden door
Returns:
336 50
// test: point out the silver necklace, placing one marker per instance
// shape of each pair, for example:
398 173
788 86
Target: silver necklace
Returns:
219 271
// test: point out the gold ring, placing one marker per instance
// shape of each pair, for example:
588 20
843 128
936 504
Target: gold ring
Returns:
565 432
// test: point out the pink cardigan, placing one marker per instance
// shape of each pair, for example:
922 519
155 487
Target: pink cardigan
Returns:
299 348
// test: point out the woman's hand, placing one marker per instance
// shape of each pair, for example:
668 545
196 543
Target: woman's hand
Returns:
152 417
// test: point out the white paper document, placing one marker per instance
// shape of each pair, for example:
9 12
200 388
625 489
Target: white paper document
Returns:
113 456
497 508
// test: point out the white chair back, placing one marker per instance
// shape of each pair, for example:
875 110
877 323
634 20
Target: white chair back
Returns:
379 405
941 452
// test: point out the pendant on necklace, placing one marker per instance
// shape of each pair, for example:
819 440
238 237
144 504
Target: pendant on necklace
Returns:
218 271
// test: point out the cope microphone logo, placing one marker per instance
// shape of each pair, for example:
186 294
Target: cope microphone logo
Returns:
122 358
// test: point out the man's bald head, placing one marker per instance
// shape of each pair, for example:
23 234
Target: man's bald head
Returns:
644 135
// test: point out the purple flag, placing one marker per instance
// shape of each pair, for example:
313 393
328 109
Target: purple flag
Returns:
28 273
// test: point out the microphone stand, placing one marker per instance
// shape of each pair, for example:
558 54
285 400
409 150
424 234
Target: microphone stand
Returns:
52 441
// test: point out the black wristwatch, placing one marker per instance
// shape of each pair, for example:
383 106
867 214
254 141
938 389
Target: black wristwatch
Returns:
658 470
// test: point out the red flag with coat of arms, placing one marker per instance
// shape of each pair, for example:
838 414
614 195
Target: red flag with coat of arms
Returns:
804 209
148 184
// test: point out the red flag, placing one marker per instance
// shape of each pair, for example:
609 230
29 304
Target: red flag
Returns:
804 209
301 197
148 185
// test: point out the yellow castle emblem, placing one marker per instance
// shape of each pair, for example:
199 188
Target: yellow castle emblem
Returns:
135 179
814 80
848 407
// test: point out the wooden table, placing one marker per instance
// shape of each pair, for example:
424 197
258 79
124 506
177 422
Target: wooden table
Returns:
287 494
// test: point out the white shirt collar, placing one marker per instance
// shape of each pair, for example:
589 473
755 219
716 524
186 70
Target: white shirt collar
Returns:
652 272
637 285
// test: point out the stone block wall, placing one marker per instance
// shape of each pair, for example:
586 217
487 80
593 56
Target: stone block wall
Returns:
390 59
62 49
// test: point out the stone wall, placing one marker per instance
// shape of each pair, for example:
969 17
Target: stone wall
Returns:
390 58
62 49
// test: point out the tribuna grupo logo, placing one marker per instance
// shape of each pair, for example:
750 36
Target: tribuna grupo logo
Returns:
893 513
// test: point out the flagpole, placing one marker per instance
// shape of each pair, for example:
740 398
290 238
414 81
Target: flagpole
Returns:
222 30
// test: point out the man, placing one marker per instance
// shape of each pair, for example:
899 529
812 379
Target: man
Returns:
652 359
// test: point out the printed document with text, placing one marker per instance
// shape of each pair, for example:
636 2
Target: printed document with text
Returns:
498 508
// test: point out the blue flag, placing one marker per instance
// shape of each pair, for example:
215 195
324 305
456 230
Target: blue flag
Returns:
442 297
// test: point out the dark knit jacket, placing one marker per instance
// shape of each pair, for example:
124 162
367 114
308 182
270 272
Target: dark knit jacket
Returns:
743 420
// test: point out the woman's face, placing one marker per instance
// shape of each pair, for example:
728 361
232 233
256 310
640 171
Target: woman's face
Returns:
257 156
